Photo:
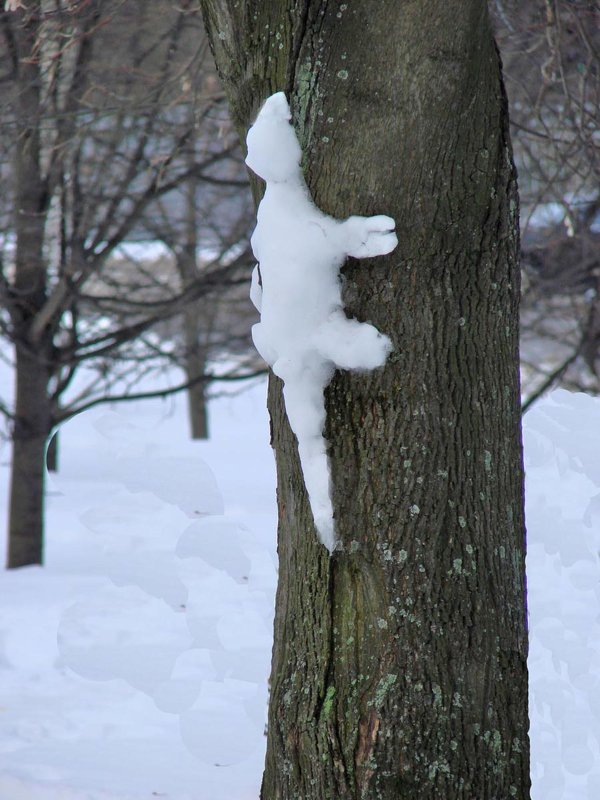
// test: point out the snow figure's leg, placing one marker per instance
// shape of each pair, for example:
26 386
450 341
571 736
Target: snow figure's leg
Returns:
262 344
351 344
369 236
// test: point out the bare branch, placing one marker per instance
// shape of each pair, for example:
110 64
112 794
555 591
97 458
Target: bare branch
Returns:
208 378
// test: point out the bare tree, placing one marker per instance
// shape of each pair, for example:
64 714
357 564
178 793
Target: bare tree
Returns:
218 325
551 55
97 133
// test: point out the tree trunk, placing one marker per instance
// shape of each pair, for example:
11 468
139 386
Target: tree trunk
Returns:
195 367
195 358
399 664
31 428
32 405
195 320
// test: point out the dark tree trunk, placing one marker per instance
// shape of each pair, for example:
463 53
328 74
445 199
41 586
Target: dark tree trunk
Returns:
31 428
195 368
194 322
196 397
399 664
32 405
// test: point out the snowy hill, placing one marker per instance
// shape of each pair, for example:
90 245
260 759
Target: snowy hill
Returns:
135 664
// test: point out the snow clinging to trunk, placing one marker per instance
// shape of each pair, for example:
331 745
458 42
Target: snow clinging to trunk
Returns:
303 333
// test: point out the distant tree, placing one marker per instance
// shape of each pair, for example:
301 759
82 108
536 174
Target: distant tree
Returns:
551 55
399 663
96 133
218 324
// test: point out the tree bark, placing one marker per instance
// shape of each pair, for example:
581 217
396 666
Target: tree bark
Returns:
195 366
195 320
399 664
32 405
31 429
195 358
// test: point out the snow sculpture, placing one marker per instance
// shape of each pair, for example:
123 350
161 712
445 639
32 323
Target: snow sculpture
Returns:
303 333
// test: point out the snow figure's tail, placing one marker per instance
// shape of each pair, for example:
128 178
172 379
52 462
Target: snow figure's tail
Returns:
315 467
305 408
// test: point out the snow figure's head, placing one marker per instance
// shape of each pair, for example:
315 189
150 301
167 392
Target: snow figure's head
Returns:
273 150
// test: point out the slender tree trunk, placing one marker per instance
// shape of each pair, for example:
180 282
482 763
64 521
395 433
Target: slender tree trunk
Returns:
195 367
399 664
195 320
32 405
194 332
31 428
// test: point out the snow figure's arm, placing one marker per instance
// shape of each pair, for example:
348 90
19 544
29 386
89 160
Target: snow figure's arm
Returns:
304 333
350 344
365 237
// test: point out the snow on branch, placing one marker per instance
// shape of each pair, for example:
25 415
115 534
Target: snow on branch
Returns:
303 333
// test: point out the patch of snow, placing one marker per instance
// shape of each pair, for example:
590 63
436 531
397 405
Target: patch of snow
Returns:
121 565
127 659
563 581
303 333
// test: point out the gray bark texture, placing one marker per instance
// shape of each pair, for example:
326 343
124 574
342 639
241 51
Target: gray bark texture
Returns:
195 358
195 368
399 664
32 422
195 352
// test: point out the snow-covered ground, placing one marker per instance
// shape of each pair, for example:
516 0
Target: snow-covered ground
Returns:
134 665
